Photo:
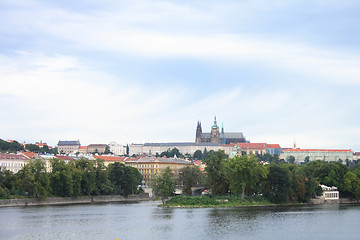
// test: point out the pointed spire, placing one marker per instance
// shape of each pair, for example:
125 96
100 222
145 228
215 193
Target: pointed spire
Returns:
215 123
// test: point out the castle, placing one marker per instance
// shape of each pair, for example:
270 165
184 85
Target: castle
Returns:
217 137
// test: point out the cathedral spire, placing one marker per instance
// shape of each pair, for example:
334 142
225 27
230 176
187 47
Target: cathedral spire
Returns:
215 123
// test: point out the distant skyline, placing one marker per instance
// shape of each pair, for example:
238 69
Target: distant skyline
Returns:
146 71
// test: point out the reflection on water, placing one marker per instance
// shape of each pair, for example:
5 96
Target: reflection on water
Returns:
147 221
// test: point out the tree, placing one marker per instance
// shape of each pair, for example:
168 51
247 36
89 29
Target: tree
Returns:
307 159
88 180
103 184
198 155
291 159
33 148
351 185
216 173
163 184
278 184
124 179
190 177
33 180
245 175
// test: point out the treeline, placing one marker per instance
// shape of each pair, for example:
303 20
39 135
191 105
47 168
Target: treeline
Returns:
11 147
72 179
14 146
279 182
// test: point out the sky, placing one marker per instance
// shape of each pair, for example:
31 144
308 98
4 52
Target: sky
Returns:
147 71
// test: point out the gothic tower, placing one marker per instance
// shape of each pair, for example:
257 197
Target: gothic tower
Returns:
198 133
215 135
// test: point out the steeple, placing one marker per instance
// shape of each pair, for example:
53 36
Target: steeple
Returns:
215 123
198 132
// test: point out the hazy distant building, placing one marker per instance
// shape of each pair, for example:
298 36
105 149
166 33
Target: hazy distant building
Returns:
329 155
117 149
183 147
217 137
66 147
96 148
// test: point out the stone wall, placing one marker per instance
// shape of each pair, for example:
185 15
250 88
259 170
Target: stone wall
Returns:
72 200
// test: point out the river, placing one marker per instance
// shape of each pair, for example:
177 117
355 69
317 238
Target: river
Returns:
146 221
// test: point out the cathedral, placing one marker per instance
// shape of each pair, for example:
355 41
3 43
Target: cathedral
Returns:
217 137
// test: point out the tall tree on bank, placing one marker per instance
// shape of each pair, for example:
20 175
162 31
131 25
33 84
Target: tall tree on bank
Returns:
163 184
216 173
190 177
245 175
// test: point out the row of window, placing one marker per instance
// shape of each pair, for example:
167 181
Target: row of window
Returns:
12 164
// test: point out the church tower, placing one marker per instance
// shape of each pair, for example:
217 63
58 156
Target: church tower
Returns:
198 133
215 135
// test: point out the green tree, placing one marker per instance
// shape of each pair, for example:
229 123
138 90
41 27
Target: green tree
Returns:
217 173
61 179
103 182
163 184
198 155
190 177
278 184
245 175
351 185
88 177
291 159
33 180
33 148
124 179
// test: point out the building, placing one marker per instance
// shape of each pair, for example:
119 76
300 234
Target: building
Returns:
66 147
96 148
111 159
217 137
356 156
148 166
82 149
329 155
183 147
117 149
273 149
12 162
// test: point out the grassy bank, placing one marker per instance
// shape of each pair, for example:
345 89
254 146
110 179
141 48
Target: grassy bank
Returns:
221 201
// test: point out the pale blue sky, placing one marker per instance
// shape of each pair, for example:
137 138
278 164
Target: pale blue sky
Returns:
138 71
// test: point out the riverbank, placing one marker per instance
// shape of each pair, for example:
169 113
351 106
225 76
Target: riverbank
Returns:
72 200
224 201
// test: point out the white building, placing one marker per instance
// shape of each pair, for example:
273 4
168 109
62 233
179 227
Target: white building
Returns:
117 149
329 155
12 162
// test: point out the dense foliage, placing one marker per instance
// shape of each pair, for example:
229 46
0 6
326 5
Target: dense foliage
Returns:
10 147
163 184
278 181
72 179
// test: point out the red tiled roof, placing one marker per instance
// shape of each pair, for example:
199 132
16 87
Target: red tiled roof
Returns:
29 155
251 145
111 158
316 150
273 146
63 157
357 153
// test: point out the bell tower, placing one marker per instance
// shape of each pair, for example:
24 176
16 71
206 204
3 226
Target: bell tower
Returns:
215 135
198 132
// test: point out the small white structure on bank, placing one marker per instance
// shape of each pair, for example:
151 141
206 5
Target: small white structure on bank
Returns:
330 193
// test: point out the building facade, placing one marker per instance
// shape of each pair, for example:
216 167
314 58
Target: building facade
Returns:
66 147
329 155
12 162
96 148
148 166
217 137
183 147
117 149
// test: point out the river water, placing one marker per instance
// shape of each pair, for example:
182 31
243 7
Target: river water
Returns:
146 221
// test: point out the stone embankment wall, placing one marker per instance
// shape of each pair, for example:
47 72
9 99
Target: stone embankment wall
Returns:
72 200
341 200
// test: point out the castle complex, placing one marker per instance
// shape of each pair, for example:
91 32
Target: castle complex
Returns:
215 136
